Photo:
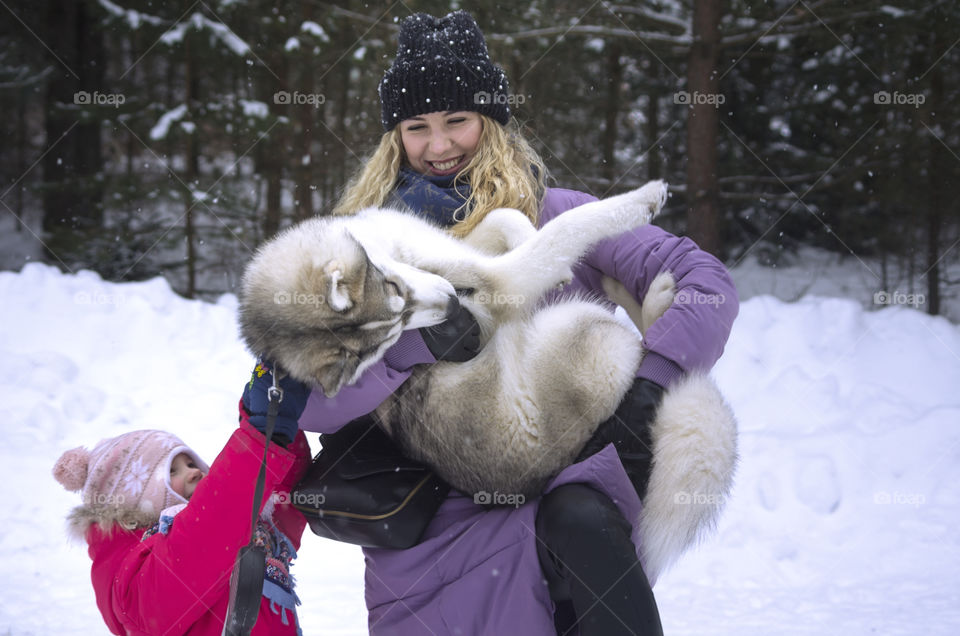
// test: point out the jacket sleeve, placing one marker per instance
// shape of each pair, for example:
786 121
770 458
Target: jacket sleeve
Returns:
169 581
288 519
328 415
692 333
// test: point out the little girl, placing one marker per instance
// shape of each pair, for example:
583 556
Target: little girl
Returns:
164 529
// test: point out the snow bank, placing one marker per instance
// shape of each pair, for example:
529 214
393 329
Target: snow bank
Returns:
842 519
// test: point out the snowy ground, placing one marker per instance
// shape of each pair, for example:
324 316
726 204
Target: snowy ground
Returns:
843 519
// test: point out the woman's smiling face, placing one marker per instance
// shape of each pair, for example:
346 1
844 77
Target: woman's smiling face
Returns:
440 144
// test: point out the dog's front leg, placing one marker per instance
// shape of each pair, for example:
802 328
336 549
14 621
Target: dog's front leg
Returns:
500 231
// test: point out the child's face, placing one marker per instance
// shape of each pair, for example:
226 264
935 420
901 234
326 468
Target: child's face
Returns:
184 475
441 144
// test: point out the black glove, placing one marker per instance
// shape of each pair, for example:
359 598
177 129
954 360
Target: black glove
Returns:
256 399
629 431
455 340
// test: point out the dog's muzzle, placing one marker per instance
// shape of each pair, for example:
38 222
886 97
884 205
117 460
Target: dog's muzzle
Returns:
453 307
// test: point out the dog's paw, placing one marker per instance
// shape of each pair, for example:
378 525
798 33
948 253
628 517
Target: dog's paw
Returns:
653 195
638 207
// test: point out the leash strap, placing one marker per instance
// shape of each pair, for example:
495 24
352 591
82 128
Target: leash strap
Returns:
275 393
246 580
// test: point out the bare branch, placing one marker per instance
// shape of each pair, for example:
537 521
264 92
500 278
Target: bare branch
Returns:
797 178
662 19
795 26
597 31
22 81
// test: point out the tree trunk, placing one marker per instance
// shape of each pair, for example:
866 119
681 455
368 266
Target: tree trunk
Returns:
273 146
73 160
21 145
341 176
192 171
654 168
612 110
306 112
703 217
938 163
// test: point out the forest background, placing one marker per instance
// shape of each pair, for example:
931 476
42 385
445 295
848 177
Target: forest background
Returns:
146 138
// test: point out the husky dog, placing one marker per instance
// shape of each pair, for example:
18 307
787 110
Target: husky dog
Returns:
326 298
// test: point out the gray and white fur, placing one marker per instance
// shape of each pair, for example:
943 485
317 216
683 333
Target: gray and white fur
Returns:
326 298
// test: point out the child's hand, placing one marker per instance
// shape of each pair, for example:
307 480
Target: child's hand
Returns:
256 399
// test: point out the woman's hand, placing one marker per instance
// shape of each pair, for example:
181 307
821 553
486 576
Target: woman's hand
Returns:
628 429
455 340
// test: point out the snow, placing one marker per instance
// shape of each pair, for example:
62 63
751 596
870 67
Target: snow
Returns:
253 108
217 30
315 30
133 18
893 11
162 127
842 520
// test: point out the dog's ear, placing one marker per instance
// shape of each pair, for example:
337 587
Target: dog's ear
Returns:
336 371
337 290
340 279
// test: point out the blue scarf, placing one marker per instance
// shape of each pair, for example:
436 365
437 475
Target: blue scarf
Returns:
433 198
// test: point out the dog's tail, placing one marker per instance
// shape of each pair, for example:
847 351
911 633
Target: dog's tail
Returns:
694 439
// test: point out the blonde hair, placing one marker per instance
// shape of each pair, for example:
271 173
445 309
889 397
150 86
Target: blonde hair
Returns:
505 172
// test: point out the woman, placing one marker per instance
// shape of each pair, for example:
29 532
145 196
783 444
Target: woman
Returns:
451 153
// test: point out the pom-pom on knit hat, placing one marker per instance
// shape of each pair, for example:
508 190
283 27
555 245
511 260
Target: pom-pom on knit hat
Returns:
124 479
442 64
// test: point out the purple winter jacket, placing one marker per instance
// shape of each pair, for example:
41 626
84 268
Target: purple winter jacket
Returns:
476 570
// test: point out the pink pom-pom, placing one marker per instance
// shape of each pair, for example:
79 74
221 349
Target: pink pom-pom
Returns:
71 469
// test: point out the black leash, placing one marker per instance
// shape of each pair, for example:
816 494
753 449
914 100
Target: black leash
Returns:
246 580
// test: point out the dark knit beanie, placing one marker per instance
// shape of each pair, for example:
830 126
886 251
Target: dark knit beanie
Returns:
442 64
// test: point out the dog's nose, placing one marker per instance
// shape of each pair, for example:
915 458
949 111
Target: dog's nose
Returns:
453 307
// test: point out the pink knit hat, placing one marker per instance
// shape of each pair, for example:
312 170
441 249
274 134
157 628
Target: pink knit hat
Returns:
125 478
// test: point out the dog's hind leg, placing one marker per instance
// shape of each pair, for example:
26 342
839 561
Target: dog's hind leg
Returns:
546 258
659 297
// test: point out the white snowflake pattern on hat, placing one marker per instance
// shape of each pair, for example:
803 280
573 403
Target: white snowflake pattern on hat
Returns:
134 480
